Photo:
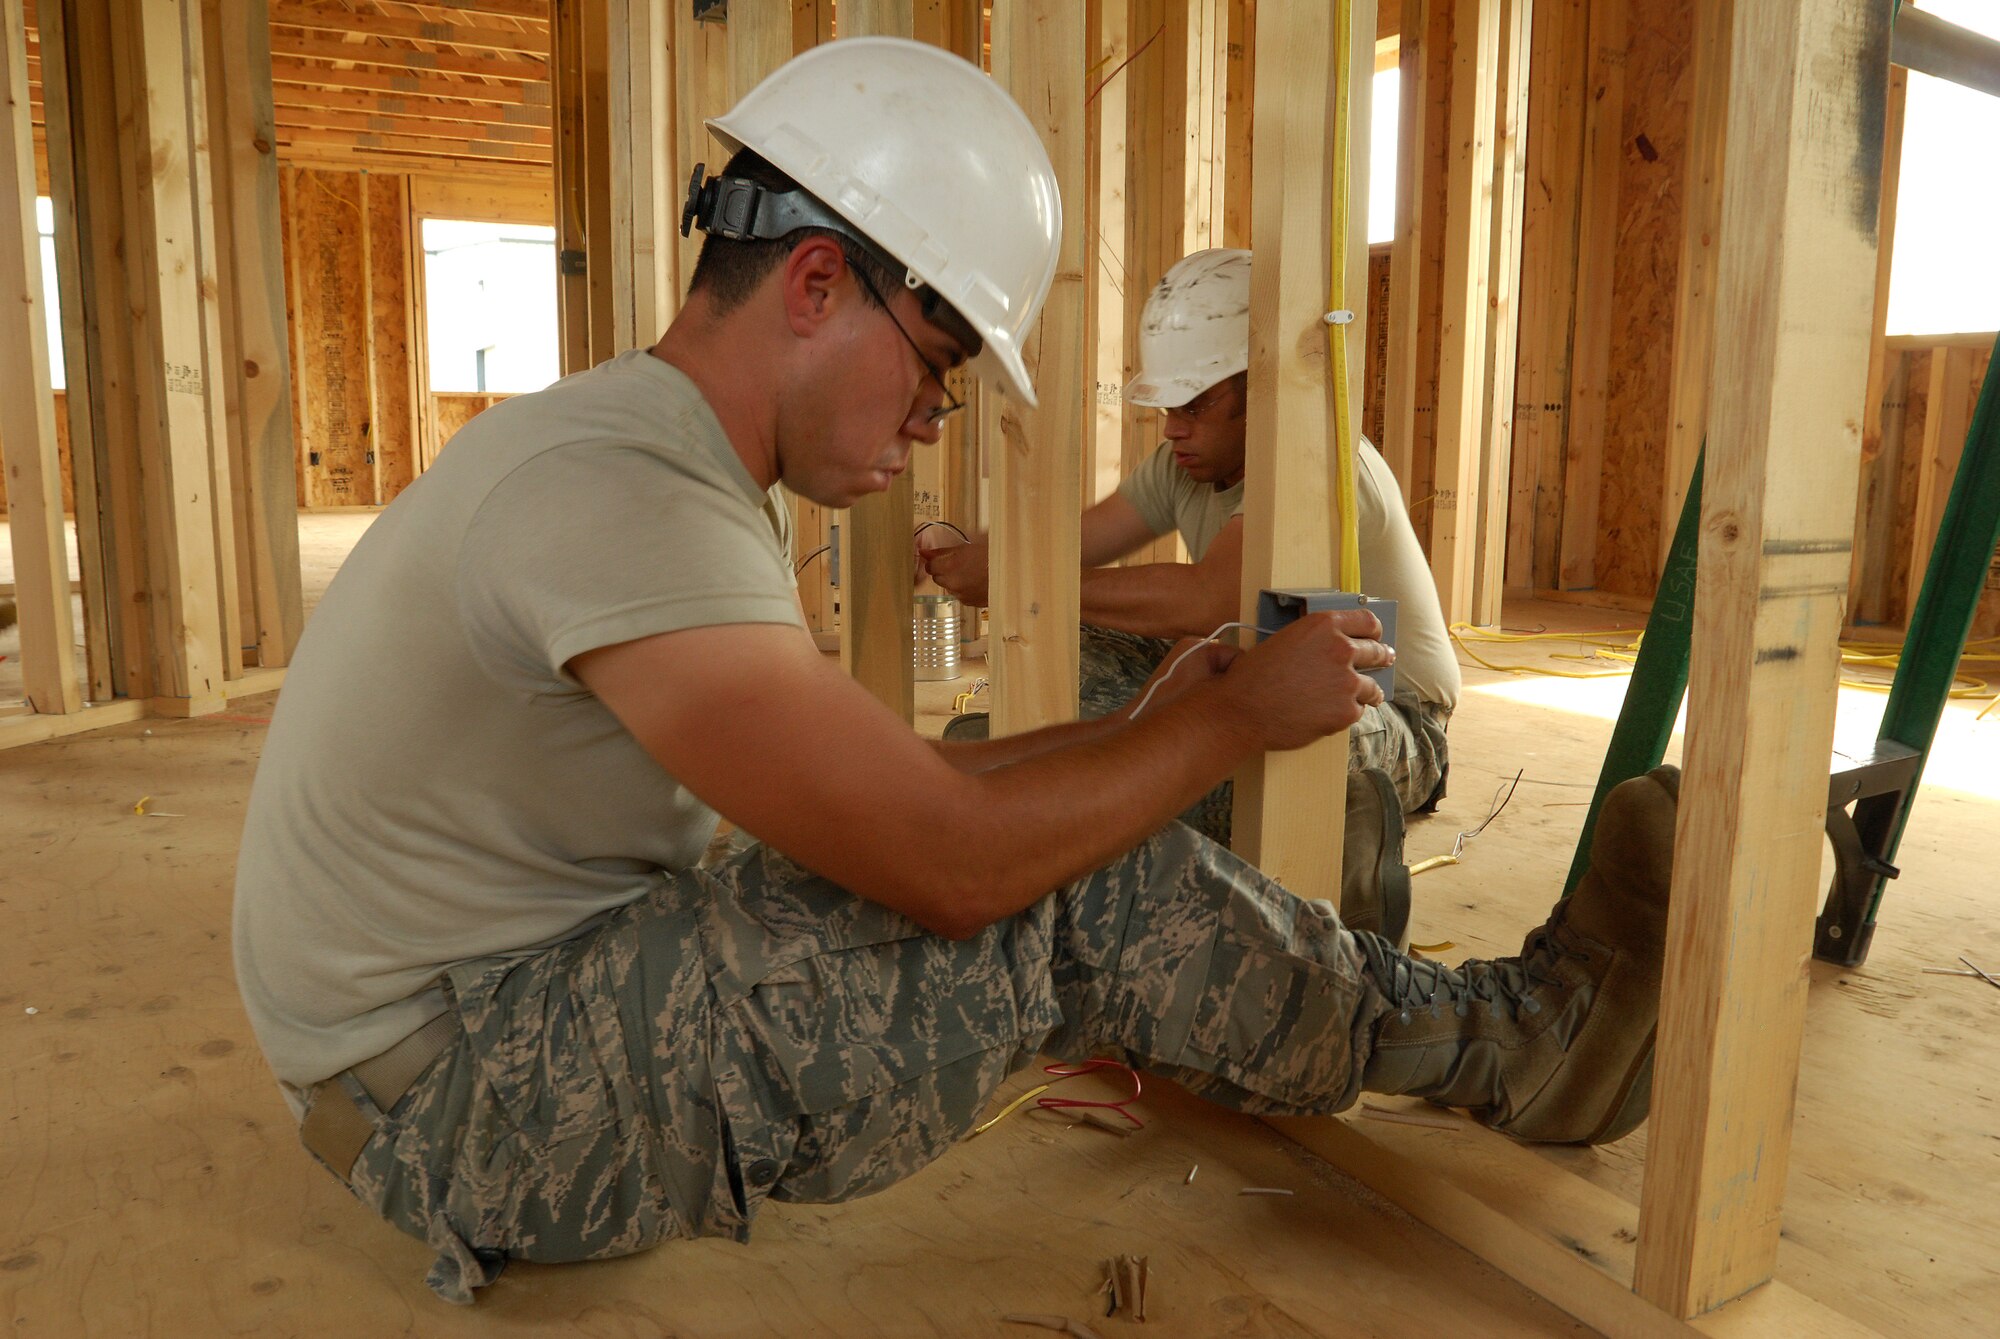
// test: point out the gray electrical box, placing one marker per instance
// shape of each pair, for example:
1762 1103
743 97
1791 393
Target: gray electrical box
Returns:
1276 608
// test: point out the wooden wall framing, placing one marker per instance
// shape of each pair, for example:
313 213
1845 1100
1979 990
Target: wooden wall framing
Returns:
168 264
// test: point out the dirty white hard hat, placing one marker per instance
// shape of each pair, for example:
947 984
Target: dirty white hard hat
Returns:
933 163
1195 330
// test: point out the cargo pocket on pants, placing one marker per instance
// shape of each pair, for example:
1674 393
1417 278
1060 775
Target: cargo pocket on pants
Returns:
547 1036
1278 1025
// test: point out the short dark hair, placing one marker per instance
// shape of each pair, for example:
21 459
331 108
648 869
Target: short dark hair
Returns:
729 271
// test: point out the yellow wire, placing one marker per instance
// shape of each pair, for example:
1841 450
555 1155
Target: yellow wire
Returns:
1612 644
1009 1109
1336 333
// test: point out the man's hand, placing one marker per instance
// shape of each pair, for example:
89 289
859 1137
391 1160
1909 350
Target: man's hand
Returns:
1306 681
959 569
1175 676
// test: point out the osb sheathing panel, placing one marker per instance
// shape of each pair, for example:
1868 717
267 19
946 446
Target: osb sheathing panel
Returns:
62 456
455 409
1652 170
393 428
329 308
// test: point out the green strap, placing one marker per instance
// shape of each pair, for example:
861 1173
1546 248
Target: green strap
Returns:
1949 598
1659 674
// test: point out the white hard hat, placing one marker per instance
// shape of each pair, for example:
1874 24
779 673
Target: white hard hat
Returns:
1195 330
935 165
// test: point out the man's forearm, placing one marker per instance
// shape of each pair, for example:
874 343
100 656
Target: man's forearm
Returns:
973 756
1154 600
1043 820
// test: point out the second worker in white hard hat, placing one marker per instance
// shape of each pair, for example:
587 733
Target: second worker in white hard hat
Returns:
1194 349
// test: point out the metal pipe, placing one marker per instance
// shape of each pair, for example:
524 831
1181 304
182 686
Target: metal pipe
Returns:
1927 44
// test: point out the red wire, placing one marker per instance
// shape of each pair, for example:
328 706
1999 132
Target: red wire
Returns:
1062 1071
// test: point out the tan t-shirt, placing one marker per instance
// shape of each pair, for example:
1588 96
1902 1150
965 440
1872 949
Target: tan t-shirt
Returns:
1393 565
435 788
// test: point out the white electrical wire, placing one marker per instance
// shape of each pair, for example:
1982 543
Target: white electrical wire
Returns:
1148 695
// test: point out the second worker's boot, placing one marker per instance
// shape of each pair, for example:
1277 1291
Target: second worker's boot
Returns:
1555 1045
1374 882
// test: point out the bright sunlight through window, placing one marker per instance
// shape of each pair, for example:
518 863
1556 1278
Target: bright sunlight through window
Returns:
1945 274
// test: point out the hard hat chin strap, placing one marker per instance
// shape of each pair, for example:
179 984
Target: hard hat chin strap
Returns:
740 210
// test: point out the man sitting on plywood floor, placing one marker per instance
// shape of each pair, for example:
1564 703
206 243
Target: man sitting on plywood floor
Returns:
515 1017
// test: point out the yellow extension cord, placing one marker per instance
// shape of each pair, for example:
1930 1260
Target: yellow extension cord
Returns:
1622 646
1349 574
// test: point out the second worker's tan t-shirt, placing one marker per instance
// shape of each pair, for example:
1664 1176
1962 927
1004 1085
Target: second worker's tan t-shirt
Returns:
1393 566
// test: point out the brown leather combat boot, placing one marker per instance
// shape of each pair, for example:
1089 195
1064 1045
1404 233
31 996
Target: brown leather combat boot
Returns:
1556 1045
1374 882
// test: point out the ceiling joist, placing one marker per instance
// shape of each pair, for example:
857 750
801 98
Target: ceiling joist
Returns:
424 107
322 118
334 19
457 148
415 85
285 43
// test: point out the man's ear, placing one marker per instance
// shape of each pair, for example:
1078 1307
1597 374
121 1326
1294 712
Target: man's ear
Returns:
809 282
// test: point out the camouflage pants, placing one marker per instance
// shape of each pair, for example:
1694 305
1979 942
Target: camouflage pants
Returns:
752 1031
1404 737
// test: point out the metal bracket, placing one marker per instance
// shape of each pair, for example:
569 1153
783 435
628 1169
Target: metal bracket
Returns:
1878 786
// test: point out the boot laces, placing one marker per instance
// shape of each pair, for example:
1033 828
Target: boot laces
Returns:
1413 984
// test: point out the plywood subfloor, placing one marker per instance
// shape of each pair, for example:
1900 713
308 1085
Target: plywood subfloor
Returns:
150 1182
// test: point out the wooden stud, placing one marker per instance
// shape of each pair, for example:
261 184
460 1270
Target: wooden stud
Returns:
1360 77
1947 417
27 404
601 238
218 346
1694 308
1399 415
1158 204
701 90
648 57
572 155
1108 168
371 439
1462 363
1510 166
1878 469
876 634
1434 180
1038 57
1597 231
1238 121
1289 807
1560 52
164 80
257 376
393 353
1797 259
85 465
1877 505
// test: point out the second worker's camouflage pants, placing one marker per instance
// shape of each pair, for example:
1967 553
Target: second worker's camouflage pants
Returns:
752 1031
1404 737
